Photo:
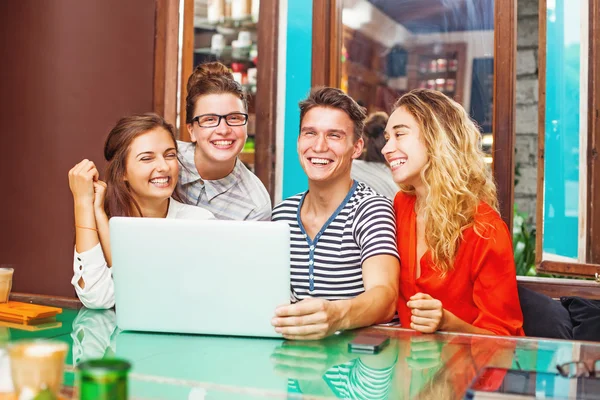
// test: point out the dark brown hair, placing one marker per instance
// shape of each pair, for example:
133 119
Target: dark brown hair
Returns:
211 78
119 201
375 139
334 98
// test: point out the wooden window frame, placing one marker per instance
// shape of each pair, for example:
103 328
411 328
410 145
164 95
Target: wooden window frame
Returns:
326 71
591 268
267 36
166 50
327 36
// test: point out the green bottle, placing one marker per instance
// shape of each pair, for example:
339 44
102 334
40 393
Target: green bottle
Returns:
103 379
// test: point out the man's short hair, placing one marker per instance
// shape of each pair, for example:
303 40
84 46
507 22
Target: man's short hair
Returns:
335 98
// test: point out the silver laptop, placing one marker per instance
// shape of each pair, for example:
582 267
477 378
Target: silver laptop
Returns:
205 277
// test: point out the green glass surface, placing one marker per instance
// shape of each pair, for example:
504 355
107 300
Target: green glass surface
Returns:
167 366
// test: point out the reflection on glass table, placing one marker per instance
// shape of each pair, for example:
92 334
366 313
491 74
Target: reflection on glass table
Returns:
439 366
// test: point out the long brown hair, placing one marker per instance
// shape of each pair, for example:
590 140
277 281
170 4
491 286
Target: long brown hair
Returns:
211 78
456 175
119 201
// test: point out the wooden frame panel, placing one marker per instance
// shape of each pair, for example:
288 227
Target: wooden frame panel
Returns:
326 42
569 269
166 59
556 287
42 299
593 160
504 119
187 64
541 131
266 108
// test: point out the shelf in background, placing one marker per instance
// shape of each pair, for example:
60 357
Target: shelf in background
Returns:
225 55
226 22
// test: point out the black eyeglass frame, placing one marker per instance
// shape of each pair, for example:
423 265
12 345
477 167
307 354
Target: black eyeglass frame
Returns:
197 119
583 371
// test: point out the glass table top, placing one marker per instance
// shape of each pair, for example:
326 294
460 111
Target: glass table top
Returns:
168 366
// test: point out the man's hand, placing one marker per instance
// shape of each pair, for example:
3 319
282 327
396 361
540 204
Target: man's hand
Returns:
309 319
310 360
427 313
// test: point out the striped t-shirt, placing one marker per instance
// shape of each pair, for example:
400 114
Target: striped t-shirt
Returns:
329 265
354 380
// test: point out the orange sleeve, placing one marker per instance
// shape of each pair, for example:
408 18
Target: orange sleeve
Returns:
495 282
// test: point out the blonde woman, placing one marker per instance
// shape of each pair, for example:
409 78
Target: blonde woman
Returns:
457 266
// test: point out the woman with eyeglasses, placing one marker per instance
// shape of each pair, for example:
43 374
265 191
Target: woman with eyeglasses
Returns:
141 176
212 176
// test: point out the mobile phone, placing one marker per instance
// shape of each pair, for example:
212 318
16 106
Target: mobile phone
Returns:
509 383
369 344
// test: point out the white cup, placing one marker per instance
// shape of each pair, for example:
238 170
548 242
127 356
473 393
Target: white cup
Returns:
244 39
217 43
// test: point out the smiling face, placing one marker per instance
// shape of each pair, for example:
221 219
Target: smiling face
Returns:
151 167
223 143
405 150
326 144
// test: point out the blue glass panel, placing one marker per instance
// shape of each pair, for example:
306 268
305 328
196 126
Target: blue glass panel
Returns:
561 161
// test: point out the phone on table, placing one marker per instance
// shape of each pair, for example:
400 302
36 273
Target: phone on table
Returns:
501 383
368 344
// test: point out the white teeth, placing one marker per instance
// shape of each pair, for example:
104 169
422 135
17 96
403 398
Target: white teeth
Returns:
397 162
159 180
223 142
322 161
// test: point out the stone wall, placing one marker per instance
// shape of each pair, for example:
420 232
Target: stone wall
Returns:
527 106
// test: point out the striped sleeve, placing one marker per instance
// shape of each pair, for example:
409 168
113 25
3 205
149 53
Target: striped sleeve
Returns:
375 228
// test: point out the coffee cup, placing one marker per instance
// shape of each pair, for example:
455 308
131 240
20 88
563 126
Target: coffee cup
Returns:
6 275
37 366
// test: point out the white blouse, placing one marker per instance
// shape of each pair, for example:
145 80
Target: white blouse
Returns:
99 291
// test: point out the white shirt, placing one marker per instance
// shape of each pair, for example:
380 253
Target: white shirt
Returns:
99 291
377 175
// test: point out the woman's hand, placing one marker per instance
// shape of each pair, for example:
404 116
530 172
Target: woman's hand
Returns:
81 181
99 195
427 313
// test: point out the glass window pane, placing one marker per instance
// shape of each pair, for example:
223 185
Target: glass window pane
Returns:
391 47
226 31
562 131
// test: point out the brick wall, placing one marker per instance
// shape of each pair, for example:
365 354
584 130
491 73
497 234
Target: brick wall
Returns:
527 106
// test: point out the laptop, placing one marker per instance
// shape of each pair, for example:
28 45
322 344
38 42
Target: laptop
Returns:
202 277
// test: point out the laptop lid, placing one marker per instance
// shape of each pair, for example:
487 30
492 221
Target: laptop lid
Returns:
206 277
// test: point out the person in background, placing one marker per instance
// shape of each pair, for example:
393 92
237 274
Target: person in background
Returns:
372 168
141 176
212 176
457 266
344 261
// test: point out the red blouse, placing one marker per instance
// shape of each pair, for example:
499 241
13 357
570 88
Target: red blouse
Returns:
481 289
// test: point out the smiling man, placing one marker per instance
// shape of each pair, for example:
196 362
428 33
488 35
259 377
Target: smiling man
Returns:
344 261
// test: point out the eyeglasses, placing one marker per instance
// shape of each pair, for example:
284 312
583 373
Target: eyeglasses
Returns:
213 120
577 369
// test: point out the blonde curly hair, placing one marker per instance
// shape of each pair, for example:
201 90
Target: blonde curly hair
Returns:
456 176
